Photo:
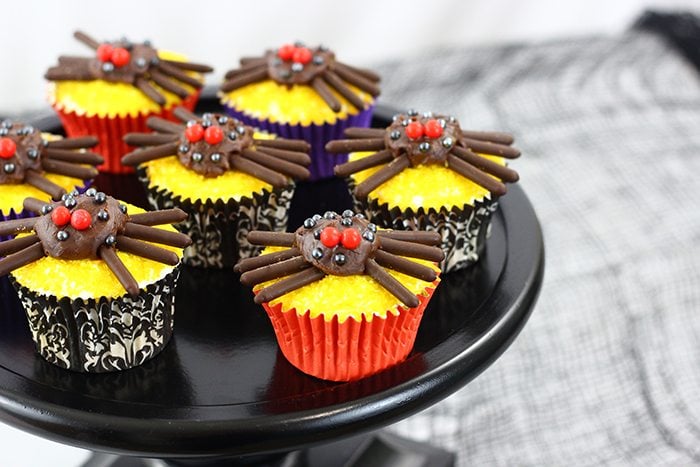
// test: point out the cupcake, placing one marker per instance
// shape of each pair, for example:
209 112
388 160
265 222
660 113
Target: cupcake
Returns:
40 165
116 90
97 290
303 93
345 299
423 172
229 179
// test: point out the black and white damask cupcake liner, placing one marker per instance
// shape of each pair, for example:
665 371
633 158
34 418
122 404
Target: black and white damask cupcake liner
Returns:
219 229
99 335
464 231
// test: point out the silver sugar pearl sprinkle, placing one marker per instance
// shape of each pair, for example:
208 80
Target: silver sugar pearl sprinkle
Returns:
191 123
372 227
329 215
316 217
339 259
62 235
369 236
240 129
122 207
183 148
424 146
346 222
103 215
9 167
223 120
100 197
108 67
317 234
348 213
318 60
111 240
47 208
141 62
216 157
405 122
309 223
359 216
317 253
394 135
442 122
91 191
427 114
232 135
297 67
412 112
447 142
197 157
70 202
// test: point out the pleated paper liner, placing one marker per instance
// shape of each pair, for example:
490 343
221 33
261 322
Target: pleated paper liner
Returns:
335 351
110 130
103 334
322 162
219 228
464 231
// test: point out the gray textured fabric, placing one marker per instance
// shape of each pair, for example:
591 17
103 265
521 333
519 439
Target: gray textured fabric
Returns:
607 370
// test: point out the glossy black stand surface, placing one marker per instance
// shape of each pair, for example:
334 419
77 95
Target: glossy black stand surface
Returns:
221 389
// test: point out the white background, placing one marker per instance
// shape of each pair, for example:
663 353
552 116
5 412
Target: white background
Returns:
363 32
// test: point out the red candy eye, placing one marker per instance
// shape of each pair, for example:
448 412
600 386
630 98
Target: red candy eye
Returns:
194 133
302 55
104 52
80 219
286 52
7 148
120 56
433 129
330 237
351 239
414 130
60 216
213 135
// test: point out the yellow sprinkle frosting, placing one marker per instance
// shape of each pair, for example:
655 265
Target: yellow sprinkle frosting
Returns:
353 297
427 186
170 174
90 278
107 99
296 104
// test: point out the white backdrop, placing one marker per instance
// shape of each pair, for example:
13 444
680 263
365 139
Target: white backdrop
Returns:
362 32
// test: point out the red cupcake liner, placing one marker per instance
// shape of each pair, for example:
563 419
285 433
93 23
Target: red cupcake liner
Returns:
110 130
350 350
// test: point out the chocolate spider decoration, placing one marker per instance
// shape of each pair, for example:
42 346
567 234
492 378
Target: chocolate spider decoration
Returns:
341 245
297 64
90 226
26 157
214 143
415 139
127 62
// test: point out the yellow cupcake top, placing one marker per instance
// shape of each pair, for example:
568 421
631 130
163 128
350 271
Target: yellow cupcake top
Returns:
123 78
91 278
342 265
298 85
426 186
355 297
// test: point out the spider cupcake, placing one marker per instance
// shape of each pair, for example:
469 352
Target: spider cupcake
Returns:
96 279
118 88
345 298
423 172
302 92
40 165
227 177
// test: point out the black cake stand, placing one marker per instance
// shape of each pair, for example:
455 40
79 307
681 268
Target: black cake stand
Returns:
222 394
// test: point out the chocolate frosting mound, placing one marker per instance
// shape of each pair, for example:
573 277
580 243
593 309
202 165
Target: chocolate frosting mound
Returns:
345 258
28 146
423 150
108 218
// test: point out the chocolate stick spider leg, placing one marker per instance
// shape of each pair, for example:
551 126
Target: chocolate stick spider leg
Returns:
382 175
378 158
163 126
426 238
184 114
9 247
164 82
352 145
288 284
147 250
405 266
277 164
336 83
165 216
392 285
244 79
295 157
68 169
243 70
179 75
16 226
262 237
37 180
148 89
33 204
86 39
286 144
125 278
476 175
256 170
21 258
488 166
486 147
149 139
491 136
248 264
152 234
364 133
320 86
75 157
280 269
73 143
144 155
413 250
189 66
59 74
356 79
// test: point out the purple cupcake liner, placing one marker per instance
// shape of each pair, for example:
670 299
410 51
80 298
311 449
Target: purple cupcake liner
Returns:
322 162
